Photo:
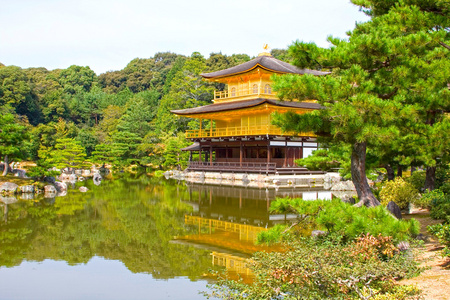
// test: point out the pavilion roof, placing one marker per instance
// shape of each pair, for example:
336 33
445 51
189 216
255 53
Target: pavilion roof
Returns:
233 105
265 62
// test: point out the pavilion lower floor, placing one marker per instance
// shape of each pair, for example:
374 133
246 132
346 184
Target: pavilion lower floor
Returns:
251 155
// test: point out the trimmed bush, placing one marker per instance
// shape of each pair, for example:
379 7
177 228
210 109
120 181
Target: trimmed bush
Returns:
399 191
417 179
343 219
442 231
440 205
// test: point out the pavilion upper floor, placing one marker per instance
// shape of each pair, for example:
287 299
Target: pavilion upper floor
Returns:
242 118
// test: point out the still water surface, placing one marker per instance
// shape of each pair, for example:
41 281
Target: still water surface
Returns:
134 237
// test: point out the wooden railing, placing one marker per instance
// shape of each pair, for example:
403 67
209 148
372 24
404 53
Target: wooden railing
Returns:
241 131
229 94
256 167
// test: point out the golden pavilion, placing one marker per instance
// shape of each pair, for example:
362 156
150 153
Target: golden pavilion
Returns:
240 137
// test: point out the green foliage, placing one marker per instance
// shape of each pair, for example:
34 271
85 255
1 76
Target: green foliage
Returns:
173 156
346 220
387 89
187 90
13 138
442 231
76 79
399 191
321 159
67 152
417 179
440 204
317 269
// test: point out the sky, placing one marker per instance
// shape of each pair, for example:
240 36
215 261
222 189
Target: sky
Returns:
107 34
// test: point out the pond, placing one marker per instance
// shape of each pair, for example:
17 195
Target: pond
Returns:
134 237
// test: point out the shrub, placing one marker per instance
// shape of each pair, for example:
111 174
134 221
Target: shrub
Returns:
314 269
346 220
417 179
425 200
440 205
399 191
442 231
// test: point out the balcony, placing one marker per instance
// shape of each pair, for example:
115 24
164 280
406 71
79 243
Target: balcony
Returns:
244 94
241 131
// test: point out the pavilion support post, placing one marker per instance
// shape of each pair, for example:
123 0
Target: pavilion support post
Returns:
210 155
268 157
199 152
285 153
210 127
241 153
226 153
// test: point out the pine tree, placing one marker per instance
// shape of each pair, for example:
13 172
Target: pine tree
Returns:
12 138
389 79
67 153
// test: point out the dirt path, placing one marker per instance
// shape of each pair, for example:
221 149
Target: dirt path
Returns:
434 282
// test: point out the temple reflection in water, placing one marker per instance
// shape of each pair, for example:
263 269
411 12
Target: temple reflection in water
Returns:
228 220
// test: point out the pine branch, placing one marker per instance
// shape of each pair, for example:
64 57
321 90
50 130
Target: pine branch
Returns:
444 45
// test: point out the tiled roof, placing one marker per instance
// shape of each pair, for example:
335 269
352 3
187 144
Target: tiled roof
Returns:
218 107
267 62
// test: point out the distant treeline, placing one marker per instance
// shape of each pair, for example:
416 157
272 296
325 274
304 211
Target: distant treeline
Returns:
118 117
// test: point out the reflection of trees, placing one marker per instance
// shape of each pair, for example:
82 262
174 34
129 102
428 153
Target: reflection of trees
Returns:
132 220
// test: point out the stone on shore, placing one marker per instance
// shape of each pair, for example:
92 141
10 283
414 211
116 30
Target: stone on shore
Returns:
20 173
8 187
27 188
60 186
49 189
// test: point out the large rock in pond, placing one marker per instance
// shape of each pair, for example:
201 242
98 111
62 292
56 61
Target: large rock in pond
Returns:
20 173
60 186
97 178
27 188
49 189
49 179
394 209
8 187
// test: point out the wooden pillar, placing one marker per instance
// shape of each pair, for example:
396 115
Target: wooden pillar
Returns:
241 153
268 151
200 152
200 132
285 153
226 153
210 155
210 127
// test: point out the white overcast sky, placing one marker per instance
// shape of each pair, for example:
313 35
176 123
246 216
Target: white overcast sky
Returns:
107 34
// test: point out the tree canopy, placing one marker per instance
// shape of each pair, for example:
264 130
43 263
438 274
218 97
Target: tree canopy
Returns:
388 83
